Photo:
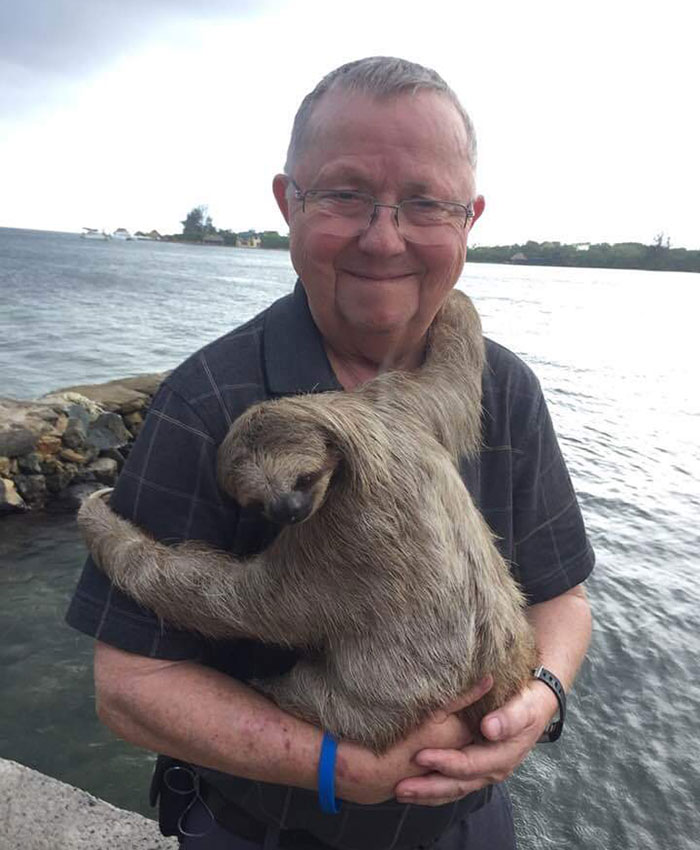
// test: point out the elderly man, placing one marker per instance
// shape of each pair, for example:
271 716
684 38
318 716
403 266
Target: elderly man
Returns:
380 197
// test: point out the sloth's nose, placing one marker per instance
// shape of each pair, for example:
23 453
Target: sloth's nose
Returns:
290 508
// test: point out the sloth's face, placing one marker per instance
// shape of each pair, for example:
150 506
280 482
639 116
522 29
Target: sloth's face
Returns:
275 462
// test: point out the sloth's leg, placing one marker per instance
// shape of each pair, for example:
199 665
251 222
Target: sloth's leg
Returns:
190 585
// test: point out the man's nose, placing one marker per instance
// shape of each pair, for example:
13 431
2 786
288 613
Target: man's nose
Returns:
382 235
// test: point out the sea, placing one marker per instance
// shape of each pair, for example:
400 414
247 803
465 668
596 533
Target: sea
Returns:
617 354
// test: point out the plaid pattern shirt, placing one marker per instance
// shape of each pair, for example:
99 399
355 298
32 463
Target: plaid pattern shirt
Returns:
168 485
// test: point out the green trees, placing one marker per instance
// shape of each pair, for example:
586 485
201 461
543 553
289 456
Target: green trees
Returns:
197 224
622 255
272 239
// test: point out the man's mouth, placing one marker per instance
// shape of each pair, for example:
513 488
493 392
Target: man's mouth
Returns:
378 276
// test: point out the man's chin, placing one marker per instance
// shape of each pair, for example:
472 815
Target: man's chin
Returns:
379 308
378 321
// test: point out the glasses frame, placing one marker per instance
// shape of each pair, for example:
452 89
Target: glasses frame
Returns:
302 194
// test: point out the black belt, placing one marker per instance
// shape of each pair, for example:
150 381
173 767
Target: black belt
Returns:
242 825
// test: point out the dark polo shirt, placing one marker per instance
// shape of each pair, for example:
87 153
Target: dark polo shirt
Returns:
168 485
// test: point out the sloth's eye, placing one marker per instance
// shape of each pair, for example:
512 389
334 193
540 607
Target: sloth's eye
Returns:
303 482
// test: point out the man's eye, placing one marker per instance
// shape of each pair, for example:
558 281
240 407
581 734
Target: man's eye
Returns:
425 205
342 197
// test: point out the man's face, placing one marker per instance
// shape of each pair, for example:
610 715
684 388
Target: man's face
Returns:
379 283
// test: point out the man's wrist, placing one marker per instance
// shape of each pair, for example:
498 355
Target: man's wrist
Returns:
547 704
554 724
352 774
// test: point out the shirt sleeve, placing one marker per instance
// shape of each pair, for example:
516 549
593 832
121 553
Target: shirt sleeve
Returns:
552 553
168 486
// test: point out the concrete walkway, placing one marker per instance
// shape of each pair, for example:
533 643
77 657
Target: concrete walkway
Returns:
41 813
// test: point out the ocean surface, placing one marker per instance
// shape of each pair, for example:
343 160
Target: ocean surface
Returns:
617 354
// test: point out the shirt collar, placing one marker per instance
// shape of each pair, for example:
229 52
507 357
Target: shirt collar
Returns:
295 359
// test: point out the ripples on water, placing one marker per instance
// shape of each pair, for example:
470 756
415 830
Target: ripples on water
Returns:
616 353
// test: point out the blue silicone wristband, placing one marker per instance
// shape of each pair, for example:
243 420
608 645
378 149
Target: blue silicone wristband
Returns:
326 776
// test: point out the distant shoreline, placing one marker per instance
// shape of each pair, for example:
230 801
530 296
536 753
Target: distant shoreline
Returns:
623 255
620 255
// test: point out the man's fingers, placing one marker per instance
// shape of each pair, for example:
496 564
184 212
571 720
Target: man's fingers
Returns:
476 766
434 789
467 698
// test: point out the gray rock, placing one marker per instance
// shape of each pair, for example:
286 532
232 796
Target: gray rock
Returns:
124 394
104 469
147 383
134 422
60 479
51 465
16 440
108 432
22 423
32 488
117 455
113 396
76 432
10 500
66 401
85 414
30 463
83 476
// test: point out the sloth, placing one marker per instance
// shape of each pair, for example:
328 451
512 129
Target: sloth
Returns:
385 576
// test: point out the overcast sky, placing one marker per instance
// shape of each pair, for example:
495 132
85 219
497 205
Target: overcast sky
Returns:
130 112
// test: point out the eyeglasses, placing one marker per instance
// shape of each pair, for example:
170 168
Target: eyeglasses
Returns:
346 213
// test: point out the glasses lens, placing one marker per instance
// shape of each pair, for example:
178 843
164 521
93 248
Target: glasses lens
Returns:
426 222
339 213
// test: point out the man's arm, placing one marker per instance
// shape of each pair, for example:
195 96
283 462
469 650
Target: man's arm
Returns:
562 632
202 716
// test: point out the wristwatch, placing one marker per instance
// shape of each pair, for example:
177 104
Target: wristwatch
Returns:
554 729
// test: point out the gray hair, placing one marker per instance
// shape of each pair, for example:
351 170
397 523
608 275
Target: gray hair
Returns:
381 76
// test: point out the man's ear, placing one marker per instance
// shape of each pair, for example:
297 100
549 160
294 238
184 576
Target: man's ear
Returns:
479 206
279 190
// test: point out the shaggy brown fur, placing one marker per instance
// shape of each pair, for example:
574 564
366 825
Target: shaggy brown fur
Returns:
386 576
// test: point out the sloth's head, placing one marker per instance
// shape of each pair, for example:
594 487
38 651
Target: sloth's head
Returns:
279 459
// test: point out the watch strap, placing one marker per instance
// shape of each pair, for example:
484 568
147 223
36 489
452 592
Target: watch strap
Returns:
554 729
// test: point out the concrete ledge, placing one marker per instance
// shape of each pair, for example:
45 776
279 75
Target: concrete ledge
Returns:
41 813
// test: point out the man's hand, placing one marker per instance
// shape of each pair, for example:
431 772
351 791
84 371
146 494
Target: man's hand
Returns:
362 777
509 735
562 627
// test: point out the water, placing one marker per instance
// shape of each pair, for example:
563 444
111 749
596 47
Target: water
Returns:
616 352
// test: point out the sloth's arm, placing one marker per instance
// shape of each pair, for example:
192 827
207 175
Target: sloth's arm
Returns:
444 395
190 585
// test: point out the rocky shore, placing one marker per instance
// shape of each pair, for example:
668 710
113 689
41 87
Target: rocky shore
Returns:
58 448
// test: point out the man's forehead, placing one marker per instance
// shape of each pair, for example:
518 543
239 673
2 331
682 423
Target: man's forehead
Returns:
339 109
347 127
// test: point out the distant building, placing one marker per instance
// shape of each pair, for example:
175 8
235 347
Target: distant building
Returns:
582 246
518 258
248 240
213 239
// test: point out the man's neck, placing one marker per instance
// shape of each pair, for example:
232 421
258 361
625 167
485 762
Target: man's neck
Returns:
354 368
